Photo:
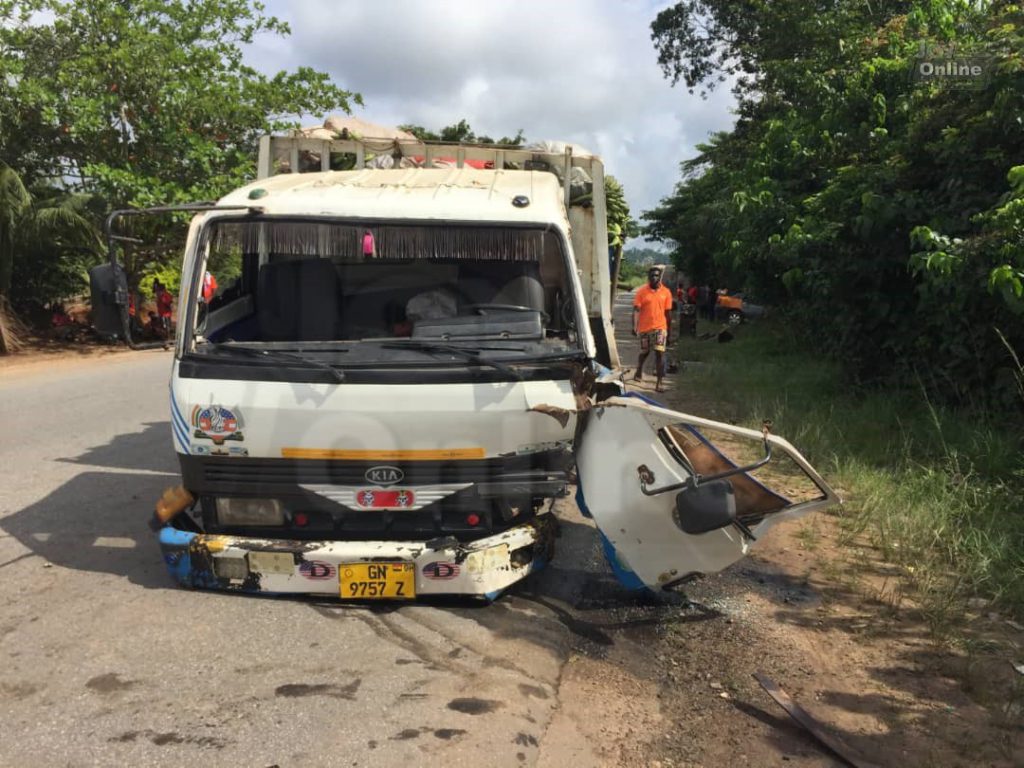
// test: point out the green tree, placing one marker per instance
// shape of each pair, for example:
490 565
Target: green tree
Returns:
144 103
148 101
871 209
46 239
14 202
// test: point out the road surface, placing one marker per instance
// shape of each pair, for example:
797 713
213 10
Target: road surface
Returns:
106 662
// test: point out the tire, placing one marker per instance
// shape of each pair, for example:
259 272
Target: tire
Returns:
734 317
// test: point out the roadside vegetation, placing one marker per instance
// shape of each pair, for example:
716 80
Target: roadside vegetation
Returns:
884 212
933 490
111 105
882 216
631 275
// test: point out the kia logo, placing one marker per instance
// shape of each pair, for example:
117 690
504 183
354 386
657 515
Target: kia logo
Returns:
384 475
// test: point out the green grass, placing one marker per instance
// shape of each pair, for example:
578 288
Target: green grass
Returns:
937 492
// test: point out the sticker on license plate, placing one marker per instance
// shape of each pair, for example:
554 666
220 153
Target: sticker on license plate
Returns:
377 581
375 498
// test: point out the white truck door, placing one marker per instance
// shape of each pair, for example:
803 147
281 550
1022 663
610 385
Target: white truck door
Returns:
678 495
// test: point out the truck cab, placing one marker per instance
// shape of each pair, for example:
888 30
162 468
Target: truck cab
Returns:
401 371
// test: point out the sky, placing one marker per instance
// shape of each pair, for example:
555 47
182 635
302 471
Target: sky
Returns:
583 71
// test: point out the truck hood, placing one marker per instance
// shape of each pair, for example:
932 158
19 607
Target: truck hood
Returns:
402 422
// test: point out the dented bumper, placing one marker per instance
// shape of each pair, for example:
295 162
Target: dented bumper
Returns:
281 566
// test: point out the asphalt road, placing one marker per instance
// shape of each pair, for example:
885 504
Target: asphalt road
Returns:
104 661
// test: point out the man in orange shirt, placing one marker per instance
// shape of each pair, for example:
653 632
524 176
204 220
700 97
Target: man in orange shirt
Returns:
652 321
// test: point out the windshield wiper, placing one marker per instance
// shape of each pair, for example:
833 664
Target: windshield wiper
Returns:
473 355
276 354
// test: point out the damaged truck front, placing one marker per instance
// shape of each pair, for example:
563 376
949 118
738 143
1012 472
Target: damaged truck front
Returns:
399 375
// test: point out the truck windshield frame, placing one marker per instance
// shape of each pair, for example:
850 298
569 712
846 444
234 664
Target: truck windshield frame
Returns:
332 290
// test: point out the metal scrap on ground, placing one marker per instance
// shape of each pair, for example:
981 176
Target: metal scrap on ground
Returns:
803 717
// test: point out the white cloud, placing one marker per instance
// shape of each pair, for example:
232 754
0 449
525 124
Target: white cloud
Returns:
577 70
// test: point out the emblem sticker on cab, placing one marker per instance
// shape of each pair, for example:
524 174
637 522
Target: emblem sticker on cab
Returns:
217 423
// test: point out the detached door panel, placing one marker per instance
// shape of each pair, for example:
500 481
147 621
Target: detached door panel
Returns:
630 450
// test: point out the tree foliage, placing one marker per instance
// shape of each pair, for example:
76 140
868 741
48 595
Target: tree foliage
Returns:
145 102
47 239
150 101
887 216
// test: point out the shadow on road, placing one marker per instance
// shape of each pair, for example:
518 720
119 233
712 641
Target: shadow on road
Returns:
96 522
151 449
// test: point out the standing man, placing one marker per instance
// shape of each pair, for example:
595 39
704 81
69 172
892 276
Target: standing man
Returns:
652 322
712 299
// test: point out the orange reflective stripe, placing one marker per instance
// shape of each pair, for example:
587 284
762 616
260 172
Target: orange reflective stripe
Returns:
361 455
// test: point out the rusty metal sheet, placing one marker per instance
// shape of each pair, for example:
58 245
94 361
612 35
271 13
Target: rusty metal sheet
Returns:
835 745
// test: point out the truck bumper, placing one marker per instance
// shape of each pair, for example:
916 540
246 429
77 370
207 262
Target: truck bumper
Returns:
481 568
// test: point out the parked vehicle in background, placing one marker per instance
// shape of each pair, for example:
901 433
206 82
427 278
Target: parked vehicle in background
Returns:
734 309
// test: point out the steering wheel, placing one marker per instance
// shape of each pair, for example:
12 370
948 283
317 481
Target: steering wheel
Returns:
510 308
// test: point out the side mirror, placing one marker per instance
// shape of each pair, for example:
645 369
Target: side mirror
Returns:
706 507
108 287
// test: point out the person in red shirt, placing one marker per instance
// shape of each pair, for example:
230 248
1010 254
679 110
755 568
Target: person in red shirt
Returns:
209 287
652 322
163 305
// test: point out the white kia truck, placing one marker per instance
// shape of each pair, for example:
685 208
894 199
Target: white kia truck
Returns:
405 366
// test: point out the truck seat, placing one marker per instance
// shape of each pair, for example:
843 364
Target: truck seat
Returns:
297 300
517 283
524 291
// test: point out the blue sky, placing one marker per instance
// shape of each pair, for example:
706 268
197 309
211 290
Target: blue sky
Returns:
575 70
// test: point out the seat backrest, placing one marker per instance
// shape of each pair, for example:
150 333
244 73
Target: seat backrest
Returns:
297 300
524 291
517 283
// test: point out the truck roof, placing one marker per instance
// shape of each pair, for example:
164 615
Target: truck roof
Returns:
461 194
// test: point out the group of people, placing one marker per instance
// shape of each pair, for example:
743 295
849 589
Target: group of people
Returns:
703 297
158 323
652 318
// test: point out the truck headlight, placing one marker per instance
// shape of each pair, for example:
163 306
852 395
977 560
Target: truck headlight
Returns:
249 512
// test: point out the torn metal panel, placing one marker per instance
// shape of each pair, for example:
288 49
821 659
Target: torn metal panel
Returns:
626 446
561 415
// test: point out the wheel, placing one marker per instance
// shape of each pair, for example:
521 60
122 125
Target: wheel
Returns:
734 317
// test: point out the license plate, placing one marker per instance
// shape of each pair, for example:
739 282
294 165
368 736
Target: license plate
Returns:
374 498
377 581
